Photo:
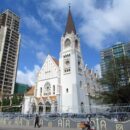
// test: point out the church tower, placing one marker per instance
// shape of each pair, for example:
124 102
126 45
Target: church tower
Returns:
71 70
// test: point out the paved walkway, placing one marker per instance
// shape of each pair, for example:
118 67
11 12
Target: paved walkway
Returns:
12 127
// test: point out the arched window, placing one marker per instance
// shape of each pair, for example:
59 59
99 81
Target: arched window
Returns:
33 108
55 106
67 90
82 107
47 89
76 44
80 84
40 91
67 43
53 89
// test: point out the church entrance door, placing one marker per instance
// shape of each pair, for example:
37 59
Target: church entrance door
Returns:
40 108
48 107
33 108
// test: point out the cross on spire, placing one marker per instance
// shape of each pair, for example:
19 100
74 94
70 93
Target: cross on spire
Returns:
69 5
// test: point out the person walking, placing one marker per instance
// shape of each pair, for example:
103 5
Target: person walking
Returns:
37 121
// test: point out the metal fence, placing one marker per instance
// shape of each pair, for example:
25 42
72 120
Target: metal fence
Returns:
111 112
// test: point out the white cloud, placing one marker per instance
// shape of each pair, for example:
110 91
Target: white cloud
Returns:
55 4
28 77
53 21
48 16
97 69
32 23
41 56
32 44
98 24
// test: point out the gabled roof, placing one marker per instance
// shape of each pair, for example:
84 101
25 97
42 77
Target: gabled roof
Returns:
56 61
70 27
30 92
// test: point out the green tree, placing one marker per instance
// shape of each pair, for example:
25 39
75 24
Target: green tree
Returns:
5 102
117 79
16 103
15 100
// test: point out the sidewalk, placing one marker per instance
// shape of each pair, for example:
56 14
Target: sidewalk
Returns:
14 127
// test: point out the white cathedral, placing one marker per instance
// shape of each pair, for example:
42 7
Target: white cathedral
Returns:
62 86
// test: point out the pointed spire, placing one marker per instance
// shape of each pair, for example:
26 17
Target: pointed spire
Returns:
70 27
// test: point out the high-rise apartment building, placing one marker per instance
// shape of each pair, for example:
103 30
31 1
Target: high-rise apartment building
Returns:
9 50
118 50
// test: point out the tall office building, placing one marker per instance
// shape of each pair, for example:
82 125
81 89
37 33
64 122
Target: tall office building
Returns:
9 50
116 51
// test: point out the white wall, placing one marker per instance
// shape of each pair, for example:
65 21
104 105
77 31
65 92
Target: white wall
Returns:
26 107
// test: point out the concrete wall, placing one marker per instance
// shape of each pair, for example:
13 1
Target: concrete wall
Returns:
100 123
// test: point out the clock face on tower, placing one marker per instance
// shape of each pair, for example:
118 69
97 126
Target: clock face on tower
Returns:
67 65
67 62
67 43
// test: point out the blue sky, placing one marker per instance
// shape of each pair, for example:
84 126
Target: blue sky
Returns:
99 23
